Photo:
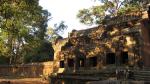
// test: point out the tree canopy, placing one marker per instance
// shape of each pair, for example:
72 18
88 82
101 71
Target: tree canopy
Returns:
23 26
54 33
110 8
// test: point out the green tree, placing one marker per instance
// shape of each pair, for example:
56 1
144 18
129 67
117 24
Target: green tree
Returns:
109 8
54 33
42 53
23 25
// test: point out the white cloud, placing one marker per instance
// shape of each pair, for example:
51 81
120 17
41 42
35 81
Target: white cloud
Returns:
66 10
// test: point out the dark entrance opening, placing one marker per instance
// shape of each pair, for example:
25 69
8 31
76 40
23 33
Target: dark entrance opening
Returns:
110 58
81 62
61 64
93 61
70 62
124 57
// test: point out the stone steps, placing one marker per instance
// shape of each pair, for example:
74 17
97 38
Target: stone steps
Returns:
141 78
142 75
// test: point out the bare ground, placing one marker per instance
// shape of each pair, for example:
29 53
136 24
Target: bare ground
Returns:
24 81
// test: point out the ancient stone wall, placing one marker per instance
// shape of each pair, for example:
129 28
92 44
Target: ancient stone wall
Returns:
123 41
27 70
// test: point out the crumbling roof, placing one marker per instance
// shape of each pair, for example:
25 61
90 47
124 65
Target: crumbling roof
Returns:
118 20
87 32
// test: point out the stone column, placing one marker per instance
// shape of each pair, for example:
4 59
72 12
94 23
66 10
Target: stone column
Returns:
85 66
66 63
145 30
99 61
146 41
76 63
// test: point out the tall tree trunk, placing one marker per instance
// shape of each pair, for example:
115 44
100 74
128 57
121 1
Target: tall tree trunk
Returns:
10 46
17 58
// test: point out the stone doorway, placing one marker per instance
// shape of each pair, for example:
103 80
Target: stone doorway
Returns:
71 62
110 58
124 57
93 61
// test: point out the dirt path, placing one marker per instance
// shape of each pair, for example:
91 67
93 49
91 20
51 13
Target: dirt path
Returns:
24 81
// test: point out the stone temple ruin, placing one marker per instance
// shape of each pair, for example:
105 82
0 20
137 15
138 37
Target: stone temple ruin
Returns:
117 50
95 54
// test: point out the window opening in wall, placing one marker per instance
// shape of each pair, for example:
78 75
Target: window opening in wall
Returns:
110 58
124 57
93 61
61 64
70 62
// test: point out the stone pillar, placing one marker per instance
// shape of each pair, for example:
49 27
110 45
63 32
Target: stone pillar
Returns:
76 64
145 48
85 66
145 30
99 61
66 63
87 63
104 58
118 58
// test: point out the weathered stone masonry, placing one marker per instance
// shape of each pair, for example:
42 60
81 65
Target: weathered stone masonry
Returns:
96 54
116 44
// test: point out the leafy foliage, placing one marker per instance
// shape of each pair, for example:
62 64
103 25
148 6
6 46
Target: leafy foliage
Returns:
54 33
44 52
109 8
22 29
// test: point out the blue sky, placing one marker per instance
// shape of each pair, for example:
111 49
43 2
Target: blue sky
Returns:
66 10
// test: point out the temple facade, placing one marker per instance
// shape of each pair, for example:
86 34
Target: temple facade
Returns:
105 48
117 44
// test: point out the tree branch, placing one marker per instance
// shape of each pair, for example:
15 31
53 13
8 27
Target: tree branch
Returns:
120 5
